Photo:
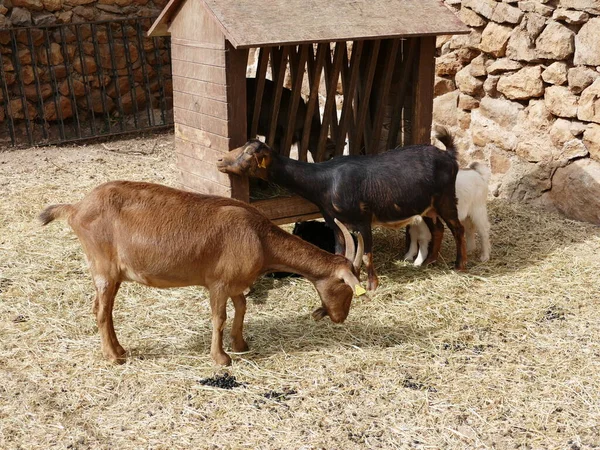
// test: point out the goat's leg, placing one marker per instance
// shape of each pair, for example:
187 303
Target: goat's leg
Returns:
446 208
372 280
238 344
106 290
411 243
218 307
436 228
482 224
340 243
469 235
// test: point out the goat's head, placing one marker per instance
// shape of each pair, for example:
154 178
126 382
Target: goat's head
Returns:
253 158
336 291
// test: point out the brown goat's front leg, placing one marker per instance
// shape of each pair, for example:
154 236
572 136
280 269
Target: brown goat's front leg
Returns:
218 306
106 291
238 344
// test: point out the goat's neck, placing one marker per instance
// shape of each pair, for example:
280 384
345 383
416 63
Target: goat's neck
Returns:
302 178
291 254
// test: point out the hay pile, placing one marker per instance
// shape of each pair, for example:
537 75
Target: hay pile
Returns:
505 356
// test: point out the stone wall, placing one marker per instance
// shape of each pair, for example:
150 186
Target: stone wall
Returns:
75 72
522 91
21 13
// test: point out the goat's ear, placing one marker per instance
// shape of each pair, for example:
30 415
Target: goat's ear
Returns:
351 280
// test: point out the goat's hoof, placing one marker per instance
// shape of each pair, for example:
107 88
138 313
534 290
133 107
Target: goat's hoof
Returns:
240 347
460 267
319 313
484 258
429 261
222 359
372 284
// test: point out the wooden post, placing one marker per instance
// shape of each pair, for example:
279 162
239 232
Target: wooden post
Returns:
423 108
236 62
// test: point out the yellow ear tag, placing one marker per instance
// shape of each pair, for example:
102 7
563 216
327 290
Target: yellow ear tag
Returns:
262 164
359 290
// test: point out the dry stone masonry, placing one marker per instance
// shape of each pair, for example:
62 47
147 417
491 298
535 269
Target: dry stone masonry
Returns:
64 69
522 91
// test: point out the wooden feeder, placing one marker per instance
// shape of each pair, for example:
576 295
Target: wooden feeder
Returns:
374 57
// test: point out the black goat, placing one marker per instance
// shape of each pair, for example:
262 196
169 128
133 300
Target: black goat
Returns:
387 189
264 118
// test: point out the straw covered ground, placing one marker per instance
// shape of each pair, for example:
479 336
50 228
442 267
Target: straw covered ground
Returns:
504 356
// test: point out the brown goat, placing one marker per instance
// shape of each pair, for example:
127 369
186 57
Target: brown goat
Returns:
163 237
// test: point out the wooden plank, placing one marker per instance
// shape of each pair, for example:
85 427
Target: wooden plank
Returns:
198 183
261 72
197 151
278 61
365 92
328 74
384 89
195 71
201 137
315 69
237 61
285 207
423 108
332 82
200 87
350 89
200 104
404 73
195 22
200 121
292 22
298 76
205 169
160 27
196 54
296 218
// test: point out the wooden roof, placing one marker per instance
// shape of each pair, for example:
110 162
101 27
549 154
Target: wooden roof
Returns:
258 23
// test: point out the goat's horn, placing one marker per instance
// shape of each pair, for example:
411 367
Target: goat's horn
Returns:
360 251
348 239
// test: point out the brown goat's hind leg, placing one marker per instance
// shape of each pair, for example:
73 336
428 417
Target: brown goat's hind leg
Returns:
218 306
436 227
106 291
238 344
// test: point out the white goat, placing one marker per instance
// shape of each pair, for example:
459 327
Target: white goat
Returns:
471 193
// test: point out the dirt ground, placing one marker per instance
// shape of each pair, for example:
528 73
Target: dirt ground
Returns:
505 356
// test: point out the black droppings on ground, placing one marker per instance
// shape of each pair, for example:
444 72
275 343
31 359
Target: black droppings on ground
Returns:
20 318
409 383
280 396
554 313
224 381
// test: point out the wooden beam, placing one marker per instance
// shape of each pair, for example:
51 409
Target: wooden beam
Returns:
314 76
299 63
384 88
350 88
332 82
423 108
365 92
237 61
261 73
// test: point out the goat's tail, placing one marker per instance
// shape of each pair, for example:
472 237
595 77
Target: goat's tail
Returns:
482 169
53 212
443 135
